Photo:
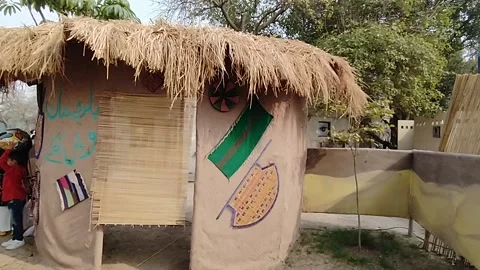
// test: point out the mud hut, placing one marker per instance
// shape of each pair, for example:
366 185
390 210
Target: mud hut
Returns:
110 134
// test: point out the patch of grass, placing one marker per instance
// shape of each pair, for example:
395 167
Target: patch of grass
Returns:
339 243
413 246
380 250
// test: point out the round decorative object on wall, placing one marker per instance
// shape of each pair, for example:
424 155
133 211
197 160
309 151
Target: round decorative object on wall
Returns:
224 97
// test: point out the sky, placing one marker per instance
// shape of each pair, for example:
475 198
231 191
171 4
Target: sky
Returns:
144 9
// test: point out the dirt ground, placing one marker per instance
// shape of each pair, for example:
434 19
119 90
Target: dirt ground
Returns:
127 248
380 250
305 261
301 259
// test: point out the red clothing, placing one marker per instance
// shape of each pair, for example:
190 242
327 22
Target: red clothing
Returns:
12 186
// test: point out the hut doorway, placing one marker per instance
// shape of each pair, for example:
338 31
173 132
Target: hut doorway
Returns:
141 177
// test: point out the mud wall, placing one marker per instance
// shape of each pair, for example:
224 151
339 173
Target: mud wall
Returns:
226 235
383 179
69 142
445 192
440 191
220 240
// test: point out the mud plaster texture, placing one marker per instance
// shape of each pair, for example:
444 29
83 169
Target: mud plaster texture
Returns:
64 239
215 244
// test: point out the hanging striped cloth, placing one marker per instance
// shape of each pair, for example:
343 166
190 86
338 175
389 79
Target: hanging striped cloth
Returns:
71 189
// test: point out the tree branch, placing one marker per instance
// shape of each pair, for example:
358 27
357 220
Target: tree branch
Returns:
254 7
275 14
31 14
264 16
243 22
225 14
44 20
377 138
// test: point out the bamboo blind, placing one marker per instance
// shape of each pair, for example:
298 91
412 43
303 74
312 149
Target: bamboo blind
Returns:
462 126
140 175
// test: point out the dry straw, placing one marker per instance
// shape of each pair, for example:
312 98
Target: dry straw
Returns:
188 57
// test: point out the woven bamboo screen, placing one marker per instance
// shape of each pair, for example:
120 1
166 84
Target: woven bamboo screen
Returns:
462 126
140 175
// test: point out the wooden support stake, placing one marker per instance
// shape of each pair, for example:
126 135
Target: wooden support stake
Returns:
410 227
98 247
426 241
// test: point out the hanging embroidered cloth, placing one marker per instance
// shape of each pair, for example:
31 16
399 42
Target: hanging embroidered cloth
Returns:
71 189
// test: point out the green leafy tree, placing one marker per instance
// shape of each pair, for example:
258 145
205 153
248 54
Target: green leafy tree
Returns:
452 26
9 8
466 23
407 51
100 9
399 67
454 21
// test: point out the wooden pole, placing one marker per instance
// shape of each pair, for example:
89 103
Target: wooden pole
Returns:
98 247
426 241
410 227
410 211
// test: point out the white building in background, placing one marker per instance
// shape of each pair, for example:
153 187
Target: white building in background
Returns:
428 132
423 133
405 136
320 128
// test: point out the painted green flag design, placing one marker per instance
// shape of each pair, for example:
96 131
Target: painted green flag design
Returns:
243 137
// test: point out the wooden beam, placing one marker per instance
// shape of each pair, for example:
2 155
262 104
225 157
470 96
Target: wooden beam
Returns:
98 247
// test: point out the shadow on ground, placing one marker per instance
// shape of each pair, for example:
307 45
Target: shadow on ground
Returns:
146 248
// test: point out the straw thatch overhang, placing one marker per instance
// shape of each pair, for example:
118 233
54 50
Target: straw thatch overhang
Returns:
187 57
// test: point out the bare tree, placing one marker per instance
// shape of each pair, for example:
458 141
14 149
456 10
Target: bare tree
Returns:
252 16
18 107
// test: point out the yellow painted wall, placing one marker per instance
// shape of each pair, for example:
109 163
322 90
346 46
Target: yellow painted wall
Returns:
443 188
381 193
450 213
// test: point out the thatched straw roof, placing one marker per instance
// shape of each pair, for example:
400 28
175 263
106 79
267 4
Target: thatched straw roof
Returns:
188 57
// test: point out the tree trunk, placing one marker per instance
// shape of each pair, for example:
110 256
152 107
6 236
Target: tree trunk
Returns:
394 130
385 144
